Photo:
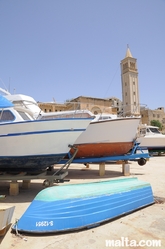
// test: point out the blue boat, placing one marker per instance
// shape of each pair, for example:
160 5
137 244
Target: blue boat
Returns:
76 206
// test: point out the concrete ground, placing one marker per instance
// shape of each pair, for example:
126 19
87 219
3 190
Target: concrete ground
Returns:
146 224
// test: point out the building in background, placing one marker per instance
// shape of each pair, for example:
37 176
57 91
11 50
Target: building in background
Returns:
147 115
95 105
51 106
129 105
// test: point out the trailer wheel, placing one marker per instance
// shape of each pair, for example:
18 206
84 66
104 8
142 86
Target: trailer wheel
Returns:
47 183
142 161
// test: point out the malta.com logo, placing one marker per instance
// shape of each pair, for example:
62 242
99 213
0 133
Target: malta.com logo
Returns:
125 242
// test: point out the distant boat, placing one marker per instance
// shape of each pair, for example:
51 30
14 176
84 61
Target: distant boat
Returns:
76 206
28 145
151 139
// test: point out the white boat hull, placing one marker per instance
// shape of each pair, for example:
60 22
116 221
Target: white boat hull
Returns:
37 144
111 137
153 142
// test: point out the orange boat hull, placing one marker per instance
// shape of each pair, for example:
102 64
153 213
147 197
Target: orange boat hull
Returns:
102 149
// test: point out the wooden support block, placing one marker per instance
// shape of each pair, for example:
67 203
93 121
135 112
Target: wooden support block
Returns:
102 169
26 184
6 213
87 165
119 162
14 188
2 232
126 169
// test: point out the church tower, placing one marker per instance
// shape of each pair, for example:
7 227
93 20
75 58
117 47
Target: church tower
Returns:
130 89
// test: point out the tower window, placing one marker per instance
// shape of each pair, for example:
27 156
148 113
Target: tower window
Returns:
132 65
125 65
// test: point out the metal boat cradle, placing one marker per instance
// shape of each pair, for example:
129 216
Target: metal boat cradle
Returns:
136 154
51 176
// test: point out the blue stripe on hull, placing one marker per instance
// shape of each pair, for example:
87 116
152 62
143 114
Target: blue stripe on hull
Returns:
70 214
41 132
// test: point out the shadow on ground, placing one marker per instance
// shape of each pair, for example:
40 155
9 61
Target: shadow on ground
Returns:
77 172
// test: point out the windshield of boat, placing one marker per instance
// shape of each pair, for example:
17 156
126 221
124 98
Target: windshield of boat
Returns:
153 130
24 115
33 107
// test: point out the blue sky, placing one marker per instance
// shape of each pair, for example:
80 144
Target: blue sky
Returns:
63 49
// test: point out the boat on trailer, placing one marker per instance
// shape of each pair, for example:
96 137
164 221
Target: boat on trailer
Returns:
107 137
76 206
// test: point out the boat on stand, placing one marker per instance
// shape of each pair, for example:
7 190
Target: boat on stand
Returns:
27 144
106 138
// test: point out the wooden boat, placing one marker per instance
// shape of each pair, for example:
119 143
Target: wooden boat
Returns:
28 144
107 137
151 139
76 206
6 214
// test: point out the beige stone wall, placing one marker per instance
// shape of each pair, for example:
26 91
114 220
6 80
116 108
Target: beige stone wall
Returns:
95 105
149 115
51 107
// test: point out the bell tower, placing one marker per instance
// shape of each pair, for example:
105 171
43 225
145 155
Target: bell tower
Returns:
130 89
